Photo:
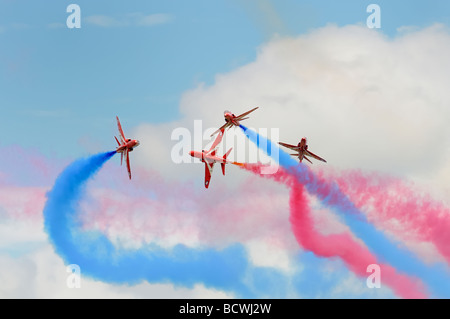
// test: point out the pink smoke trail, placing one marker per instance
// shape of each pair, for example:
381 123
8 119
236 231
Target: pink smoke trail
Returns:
22 202
421 217
179 210
353 254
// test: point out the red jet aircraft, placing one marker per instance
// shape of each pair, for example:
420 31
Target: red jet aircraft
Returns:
302 149
125 146
210 158
232 119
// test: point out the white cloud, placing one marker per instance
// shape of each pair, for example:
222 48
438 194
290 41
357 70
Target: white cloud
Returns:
103 21
362 99
152 19
131 19
270 253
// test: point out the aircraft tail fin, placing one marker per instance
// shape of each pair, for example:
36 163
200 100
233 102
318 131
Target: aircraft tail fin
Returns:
117 141
208 170
225 157
227 153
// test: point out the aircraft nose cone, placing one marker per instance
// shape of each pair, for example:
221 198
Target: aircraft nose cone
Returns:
191 153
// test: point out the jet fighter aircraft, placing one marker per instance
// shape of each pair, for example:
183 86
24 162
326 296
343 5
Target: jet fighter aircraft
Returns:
125 147
232 119
303 152
210 158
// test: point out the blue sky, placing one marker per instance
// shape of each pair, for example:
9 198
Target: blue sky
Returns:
62 87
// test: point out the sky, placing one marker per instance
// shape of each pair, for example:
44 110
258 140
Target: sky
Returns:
373 102
140 71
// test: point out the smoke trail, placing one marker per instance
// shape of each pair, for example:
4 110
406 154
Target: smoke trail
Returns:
329 194
354 255
343 246
423 218
100 259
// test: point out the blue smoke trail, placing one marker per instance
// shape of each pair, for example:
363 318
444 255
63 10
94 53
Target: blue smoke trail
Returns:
436 277
100 259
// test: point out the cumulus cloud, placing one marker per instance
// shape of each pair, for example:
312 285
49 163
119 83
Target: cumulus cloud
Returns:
362 99
130 19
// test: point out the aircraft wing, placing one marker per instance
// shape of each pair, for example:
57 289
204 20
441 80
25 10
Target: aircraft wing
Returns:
127 158
208 171
223 127
122 136
218 139
315 156
246 113
292 147
306 158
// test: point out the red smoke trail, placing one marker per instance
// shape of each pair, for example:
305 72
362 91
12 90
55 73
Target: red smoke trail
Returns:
356 256
420 216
